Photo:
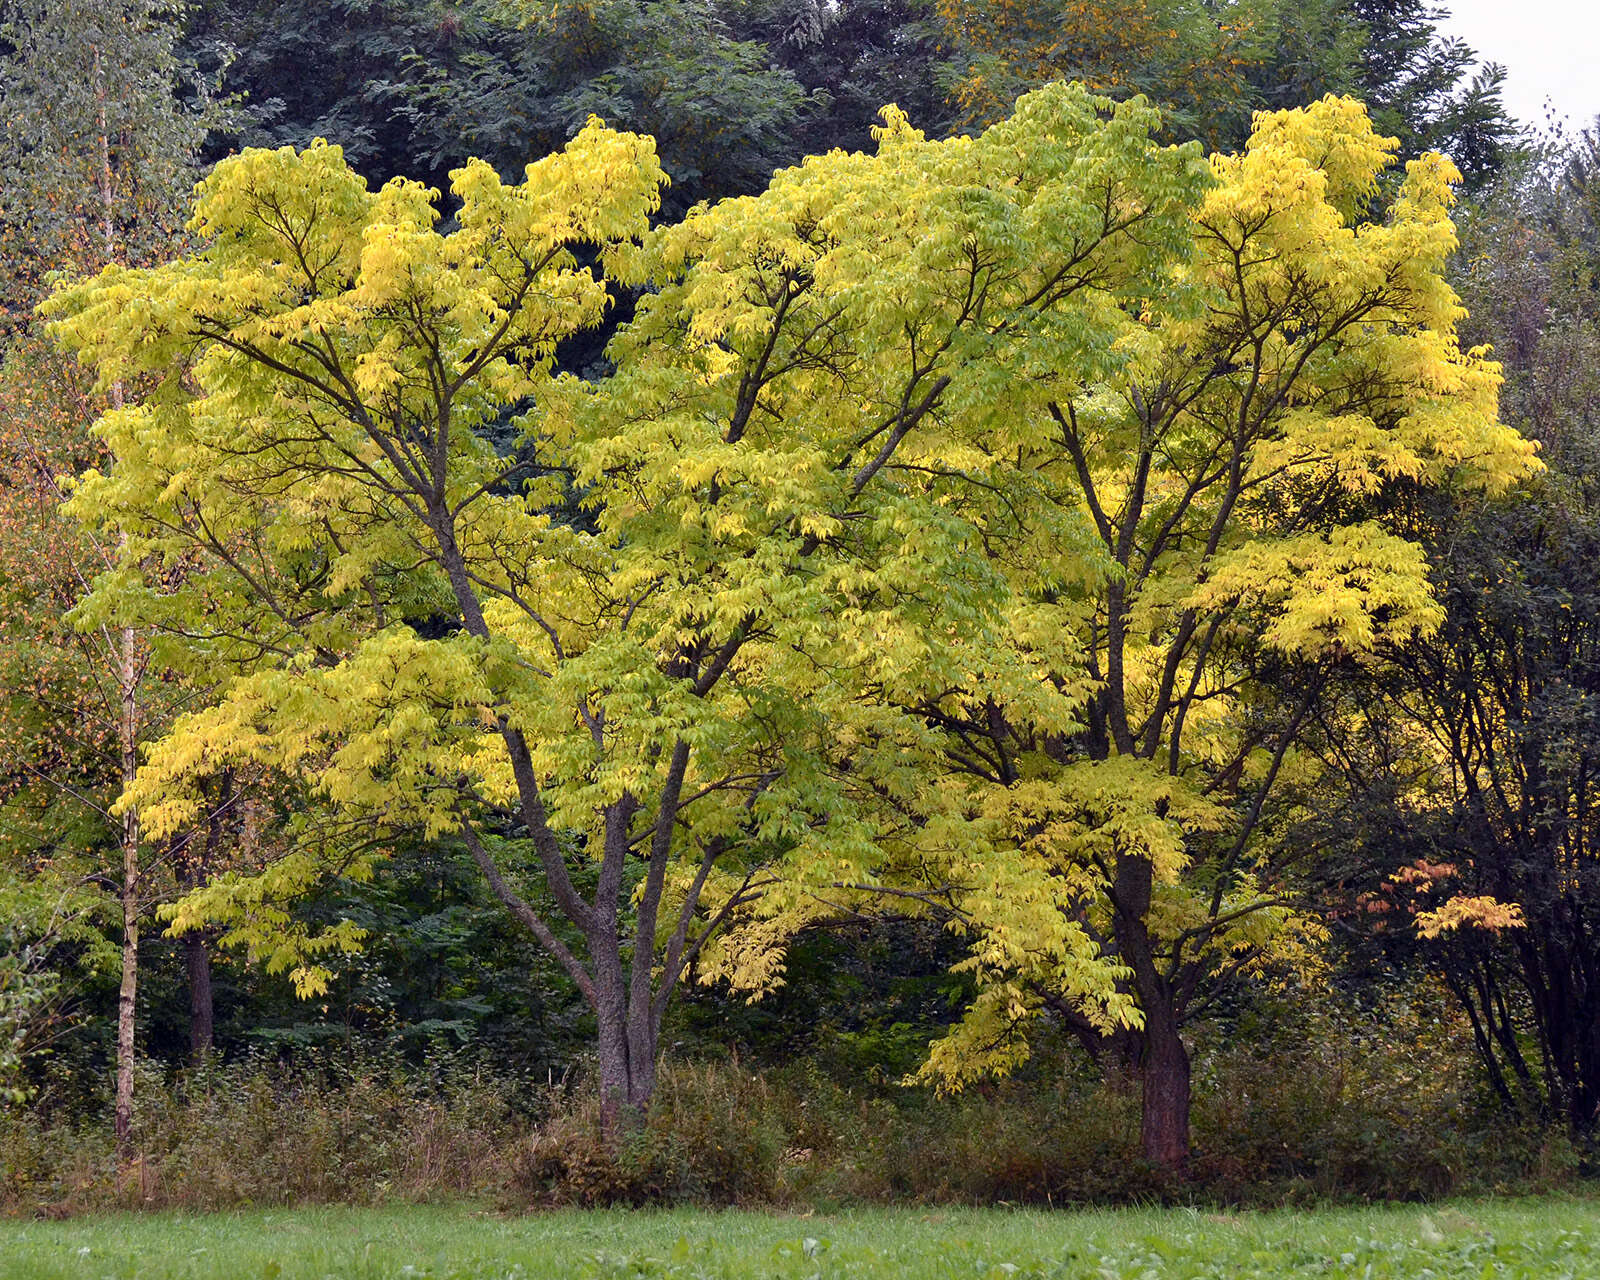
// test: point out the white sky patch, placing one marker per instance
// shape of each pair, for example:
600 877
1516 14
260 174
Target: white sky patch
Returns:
1549 48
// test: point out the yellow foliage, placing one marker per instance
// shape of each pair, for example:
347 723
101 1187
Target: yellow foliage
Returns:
930 538
1464 912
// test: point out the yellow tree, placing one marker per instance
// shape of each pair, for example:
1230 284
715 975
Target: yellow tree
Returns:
1230 458
952 524
694 698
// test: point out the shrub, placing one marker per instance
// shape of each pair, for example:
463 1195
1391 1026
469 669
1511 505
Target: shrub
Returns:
1315 1102
713 1135
259 1132
1383 1103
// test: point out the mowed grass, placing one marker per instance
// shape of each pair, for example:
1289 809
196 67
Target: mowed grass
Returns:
1544 1239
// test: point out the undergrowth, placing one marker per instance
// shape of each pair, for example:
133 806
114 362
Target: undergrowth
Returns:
1331 1113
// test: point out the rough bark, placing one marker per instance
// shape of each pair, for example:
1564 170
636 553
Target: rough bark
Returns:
1163 1060
1165 1080
627 1061
202 1016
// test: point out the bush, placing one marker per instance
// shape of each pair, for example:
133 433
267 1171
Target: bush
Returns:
258 1132
713 1135
1382 1104
1314 1102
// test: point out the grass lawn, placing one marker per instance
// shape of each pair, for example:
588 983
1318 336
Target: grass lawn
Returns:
1543 1239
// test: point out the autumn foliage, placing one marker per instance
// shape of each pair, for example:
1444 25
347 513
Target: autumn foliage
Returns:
948 517
1193 57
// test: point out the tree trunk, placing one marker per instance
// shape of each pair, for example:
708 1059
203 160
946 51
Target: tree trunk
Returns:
128 994
627 1056
1163 1059
195 860
202 1021
1164 1124
128 673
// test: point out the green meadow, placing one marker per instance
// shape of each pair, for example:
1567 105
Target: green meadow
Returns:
1546 1239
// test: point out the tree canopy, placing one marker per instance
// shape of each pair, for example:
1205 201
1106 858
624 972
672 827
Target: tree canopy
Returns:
945 512
680 681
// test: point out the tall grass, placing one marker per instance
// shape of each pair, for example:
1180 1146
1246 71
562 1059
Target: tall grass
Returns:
1337 1111
259 1132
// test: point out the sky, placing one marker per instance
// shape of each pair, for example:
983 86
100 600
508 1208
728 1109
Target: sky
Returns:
1550 48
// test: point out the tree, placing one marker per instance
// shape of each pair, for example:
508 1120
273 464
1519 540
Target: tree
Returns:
1423 87
95 145
1207 66
674 701
94 151
48 927
722 115
1210 66
1486 849
307 70
945 531
60 704
1228 457
415 87
851 58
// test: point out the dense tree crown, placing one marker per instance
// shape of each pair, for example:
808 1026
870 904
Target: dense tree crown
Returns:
95 150
1192 57
731 89
1474 770
947 509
